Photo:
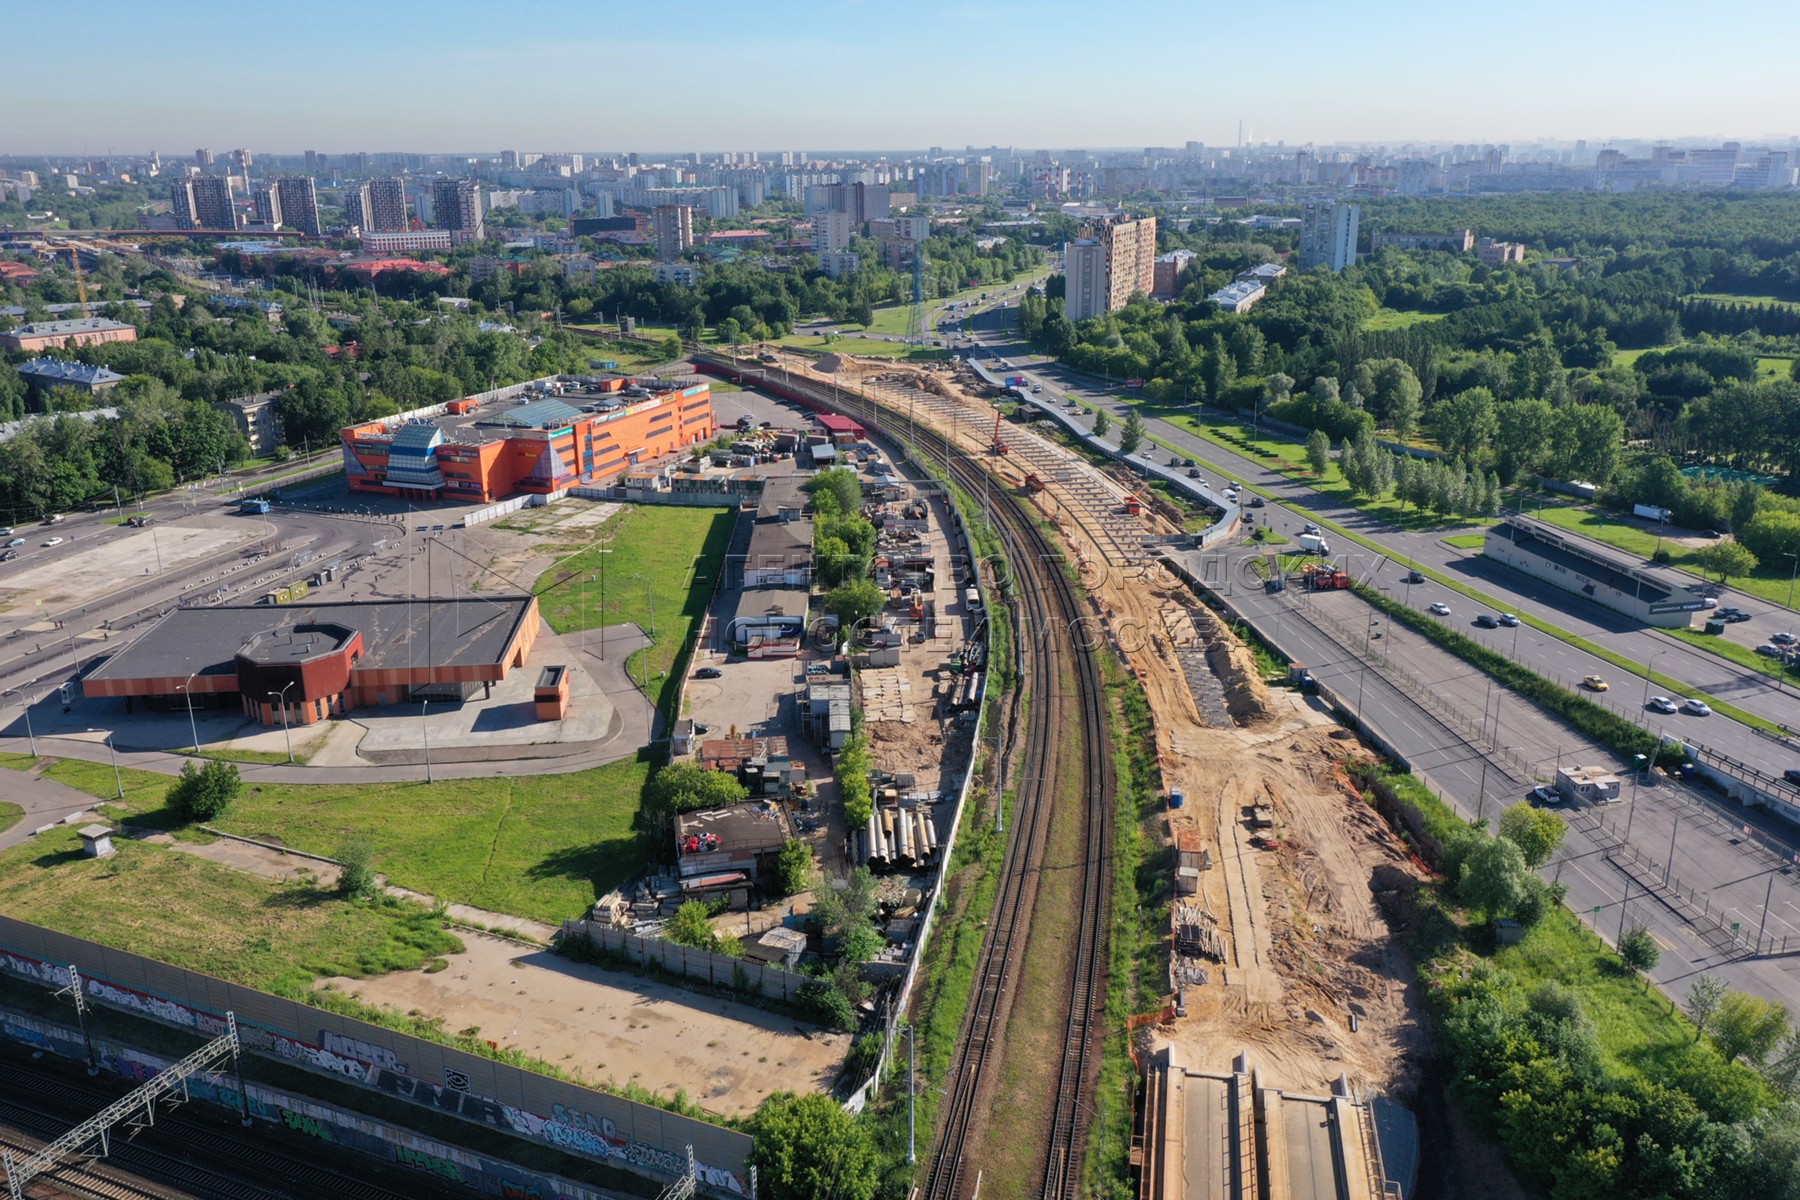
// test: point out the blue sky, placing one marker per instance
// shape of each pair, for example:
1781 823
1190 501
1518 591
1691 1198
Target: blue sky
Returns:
97 75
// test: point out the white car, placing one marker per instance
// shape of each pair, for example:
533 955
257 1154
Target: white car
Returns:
7 532
18 541
1441 609
54 542
1509 620
1661 704
1697 708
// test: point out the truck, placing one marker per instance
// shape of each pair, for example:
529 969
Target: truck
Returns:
1651 512
259 507
1313 543
1015 381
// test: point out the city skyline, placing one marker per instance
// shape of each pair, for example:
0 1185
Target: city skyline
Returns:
956 73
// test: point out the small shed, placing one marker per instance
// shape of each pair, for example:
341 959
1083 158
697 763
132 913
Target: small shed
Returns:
1596 785
552 694
96 841
779 947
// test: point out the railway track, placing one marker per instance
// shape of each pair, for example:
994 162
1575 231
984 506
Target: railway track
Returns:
1057 633
190 1157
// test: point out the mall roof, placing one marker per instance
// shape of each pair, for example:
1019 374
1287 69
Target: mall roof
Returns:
397 634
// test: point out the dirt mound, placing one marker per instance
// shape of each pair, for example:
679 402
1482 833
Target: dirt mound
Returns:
829 364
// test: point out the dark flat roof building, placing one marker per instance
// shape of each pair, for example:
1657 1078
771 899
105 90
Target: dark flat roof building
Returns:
331 656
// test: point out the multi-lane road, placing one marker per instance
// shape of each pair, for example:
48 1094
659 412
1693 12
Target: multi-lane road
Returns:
1508 591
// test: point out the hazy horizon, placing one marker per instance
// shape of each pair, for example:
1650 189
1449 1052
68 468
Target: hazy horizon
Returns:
705 75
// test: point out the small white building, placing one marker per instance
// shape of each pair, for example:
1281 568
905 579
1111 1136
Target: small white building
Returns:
1596 785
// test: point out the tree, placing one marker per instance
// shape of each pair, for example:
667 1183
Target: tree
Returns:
1493 877
1467 422
1588 440
1639 949
1318 451
1395 395
1522 438
692 926
806 1147
1725 558
682 787
1537 834
1702 1003
1101 423
794 866
1131 434
853 603
836 493
1748 1027
204 793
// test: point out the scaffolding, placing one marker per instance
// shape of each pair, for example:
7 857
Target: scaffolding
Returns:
137 1110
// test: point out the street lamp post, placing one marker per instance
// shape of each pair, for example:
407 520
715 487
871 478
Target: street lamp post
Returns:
1795 574
194 729
286 731
425 733
25 703
118 780
1649 671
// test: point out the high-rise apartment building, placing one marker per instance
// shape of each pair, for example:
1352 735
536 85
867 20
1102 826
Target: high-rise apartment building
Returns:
674 230
456 206
299 203
1104 267
204 202
203 158
379 206
831 232
242 159
1084 279
268 204
1328 236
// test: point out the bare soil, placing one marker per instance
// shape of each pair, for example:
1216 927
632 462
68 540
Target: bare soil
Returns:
609 1027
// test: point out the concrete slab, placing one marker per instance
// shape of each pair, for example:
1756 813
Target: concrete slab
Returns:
89 568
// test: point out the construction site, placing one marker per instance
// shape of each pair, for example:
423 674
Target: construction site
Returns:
1287 886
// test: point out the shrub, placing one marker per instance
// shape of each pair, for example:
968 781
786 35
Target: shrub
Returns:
356 873
204 793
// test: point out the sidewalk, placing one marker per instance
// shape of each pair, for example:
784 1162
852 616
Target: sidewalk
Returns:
630 732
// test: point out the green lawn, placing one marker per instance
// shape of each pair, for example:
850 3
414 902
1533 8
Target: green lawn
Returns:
1638 1033
539 846
661 566
1466 541
10 815
1744 656
1290 460
1767 584
184 910
1757 301
1389 318
1768 368
17 762
630 356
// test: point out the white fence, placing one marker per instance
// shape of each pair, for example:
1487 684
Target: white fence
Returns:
777 983
494 512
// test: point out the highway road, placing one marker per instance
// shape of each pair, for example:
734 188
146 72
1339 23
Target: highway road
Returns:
1482 749
1510 591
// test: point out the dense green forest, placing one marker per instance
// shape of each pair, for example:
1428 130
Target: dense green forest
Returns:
1625 355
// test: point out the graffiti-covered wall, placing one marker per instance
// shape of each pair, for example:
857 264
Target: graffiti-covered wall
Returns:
349 1131
574 1119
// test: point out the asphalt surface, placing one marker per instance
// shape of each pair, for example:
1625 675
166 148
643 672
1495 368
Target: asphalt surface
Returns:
1482 750
1510 591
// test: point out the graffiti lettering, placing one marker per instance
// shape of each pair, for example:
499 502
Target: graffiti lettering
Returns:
428 1162
519 1191
473 1108
150 1006
310 1126
356 1048
321 1060
34 969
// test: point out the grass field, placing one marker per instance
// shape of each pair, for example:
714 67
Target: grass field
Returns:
1290 460
10 815
1767 584
1768 368
184 910
17 762
1389 318
629 355
1757 301
539 846
661 565
1466 541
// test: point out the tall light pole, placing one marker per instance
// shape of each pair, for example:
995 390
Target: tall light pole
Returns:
286 732
188 689
118 780
425 733
25 703
1649 671
1795 574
